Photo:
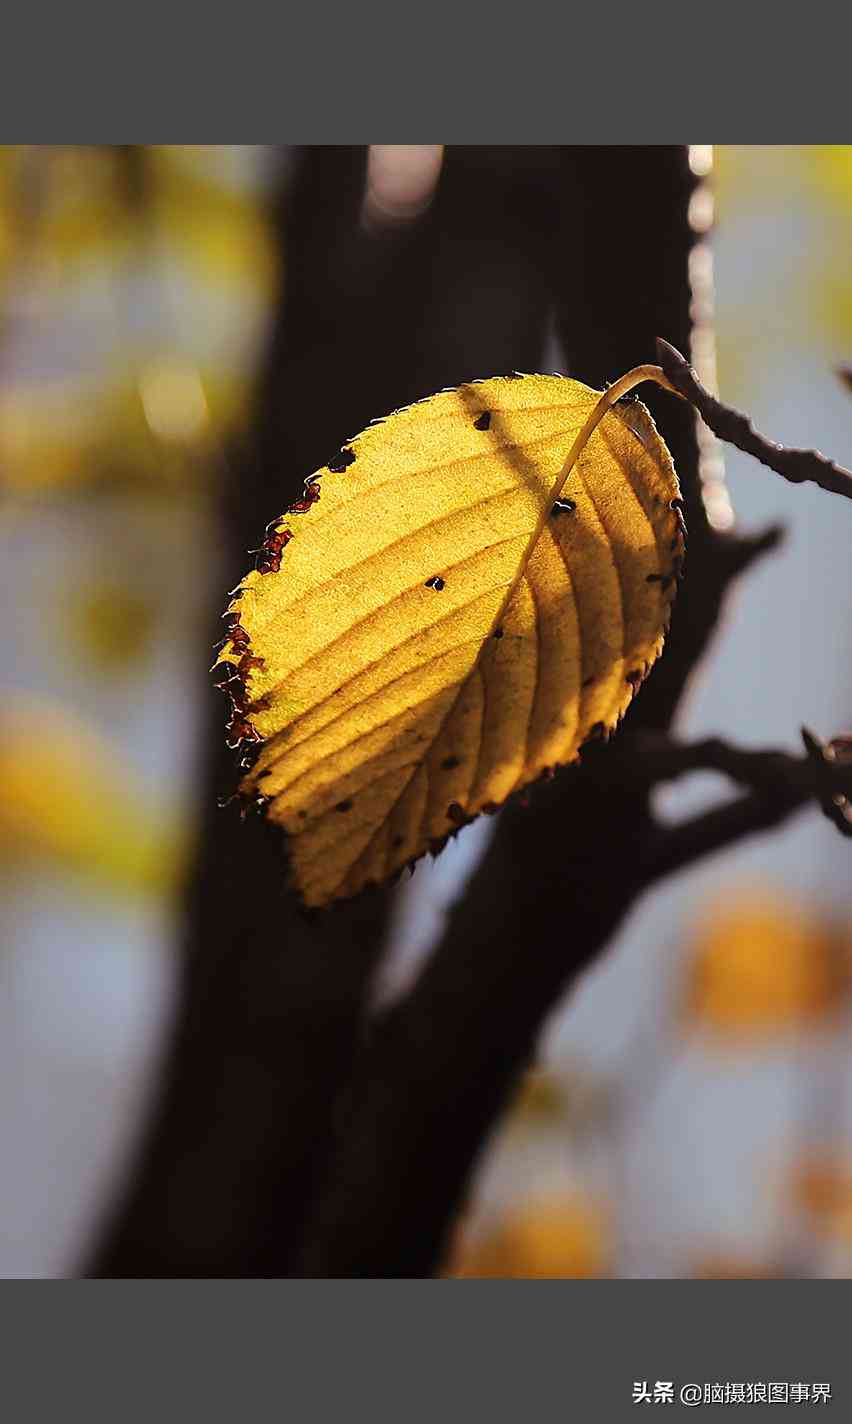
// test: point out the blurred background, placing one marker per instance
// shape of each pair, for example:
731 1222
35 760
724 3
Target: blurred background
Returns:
174 320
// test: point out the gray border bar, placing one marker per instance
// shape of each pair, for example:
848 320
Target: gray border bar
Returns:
430 1351
346 75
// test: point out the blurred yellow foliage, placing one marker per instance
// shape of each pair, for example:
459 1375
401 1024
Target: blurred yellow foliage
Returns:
756 185
832 305
73 208
550 1237
65 433
217 228
830 168
67 799
762 965
108 626
539 1098
750 176
140 279
577 1100
7 210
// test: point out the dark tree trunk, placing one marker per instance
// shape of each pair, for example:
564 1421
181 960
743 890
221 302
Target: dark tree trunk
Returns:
271 1005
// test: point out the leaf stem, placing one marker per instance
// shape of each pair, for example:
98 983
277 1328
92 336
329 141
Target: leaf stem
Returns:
612 394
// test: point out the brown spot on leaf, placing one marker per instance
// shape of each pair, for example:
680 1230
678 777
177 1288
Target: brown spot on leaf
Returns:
342 461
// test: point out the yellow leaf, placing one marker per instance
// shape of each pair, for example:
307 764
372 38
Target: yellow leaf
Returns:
427 632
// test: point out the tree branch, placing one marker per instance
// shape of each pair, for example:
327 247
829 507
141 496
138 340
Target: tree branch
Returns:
654 757
797 466
779 784
439 1067
684 844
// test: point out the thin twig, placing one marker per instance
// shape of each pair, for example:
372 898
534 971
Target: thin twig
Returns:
832 768
718 829
822 775
778 783
797 466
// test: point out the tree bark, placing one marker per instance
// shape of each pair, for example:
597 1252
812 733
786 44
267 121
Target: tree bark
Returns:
271 1006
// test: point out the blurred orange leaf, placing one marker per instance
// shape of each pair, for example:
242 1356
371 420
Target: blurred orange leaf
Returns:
762 965
551 1237
824 1190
